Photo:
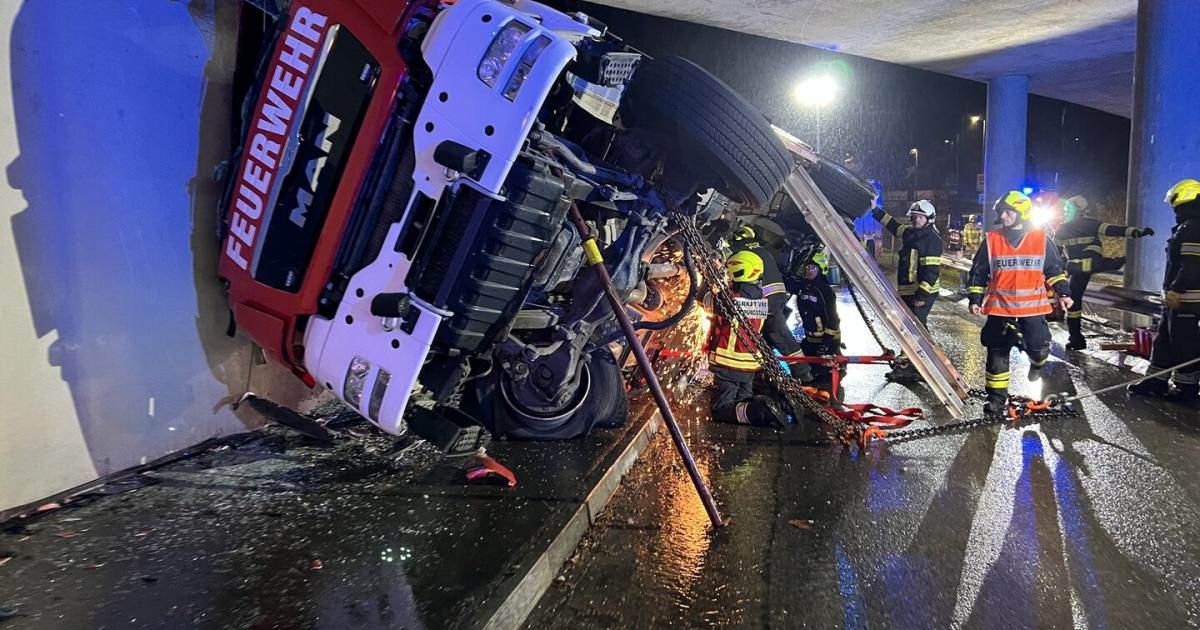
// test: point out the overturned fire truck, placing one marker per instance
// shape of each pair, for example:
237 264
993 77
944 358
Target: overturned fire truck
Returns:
395 227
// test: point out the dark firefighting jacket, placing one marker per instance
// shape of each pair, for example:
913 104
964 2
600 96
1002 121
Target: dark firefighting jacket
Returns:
1079 239
817 306
1183 260
920 268
772 276
981 268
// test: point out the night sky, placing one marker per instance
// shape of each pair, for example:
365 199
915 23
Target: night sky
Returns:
884 109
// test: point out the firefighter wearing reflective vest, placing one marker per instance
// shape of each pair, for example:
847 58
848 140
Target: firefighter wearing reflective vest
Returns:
1178 339
920 266
972 235
1079 237
817 306
775 329
730 357
1008 281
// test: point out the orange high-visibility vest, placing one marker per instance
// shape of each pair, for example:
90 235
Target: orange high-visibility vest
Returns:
1018 284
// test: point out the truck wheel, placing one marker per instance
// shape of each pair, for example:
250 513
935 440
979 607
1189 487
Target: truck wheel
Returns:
600 401
850 195
710 126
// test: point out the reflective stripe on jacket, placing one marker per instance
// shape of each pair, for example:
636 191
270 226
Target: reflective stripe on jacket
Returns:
726 347
1018 285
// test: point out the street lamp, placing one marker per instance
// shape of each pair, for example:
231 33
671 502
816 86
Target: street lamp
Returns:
916 168
817 91
975 119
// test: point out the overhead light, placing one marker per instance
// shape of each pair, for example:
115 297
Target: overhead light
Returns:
816 91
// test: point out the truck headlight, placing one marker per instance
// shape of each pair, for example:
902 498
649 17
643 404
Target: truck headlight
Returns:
378 391
499 52
529 58
356 377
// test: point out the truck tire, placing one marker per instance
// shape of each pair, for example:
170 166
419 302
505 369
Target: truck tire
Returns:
709 124
603 403
851 195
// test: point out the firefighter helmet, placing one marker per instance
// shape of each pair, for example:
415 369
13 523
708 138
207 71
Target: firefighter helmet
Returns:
743 233
924 208
1014 200
745 266
1186 190
821 261
1074 206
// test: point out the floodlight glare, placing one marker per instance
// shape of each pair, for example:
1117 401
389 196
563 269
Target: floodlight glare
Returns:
816 91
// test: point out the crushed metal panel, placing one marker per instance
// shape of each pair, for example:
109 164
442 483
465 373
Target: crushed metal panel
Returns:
930 361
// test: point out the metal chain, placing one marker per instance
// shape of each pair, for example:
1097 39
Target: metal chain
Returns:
905 435
867 320
784 384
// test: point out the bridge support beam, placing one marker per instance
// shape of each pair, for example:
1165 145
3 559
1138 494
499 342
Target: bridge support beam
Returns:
1004 140
1164 145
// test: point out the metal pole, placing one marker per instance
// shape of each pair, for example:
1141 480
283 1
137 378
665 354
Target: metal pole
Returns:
597 264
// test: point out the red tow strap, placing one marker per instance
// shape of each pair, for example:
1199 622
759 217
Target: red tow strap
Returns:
872 414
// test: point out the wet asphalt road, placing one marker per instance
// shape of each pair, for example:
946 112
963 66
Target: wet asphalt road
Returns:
1088 522
274 531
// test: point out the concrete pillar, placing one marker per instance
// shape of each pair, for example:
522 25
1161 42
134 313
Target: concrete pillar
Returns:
1004 140
1164 145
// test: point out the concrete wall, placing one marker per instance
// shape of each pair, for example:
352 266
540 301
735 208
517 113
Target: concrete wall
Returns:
112 346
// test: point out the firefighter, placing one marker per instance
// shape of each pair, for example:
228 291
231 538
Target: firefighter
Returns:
1178 339
775 328
730 358
1007 282
972 235
1079 238
920 265
817 306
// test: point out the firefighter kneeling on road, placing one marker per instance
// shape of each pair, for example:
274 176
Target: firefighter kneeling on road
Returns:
1008 281
1178 339
817 305
730 357
1079 237
775 329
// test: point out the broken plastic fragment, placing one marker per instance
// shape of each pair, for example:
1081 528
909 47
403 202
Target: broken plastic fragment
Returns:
491 467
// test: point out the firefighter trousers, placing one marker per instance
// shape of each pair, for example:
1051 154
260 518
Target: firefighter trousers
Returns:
920 312
730 387
1177 341
776 332
1081 270
822 374
734 402
1000 335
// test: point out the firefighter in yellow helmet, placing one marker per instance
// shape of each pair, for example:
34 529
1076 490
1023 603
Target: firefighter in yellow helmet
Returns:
1007 282
1079 238
1178 339
731 358
817 304
775 329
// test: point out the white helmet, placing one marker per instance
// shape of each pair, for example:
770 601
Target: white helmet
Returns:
923 207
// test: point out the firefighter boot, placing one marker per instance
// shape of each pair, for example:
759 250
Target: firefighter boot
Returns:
1184 393
903 371
764 412
997 402
1076 340
1156 387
